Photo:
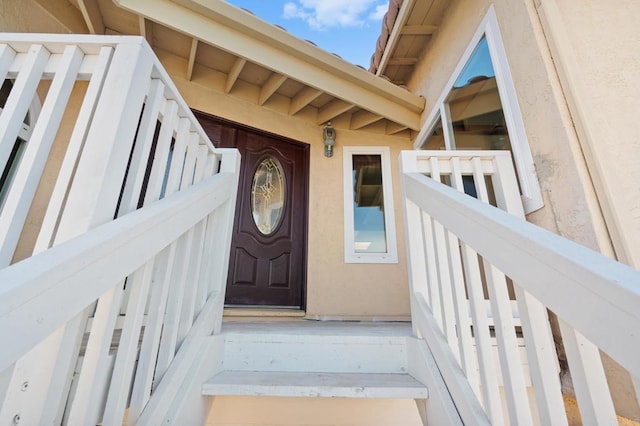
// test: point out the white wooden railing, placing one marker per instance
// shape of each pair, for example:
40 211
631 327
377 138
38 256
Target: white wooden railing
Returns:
465 254
107 316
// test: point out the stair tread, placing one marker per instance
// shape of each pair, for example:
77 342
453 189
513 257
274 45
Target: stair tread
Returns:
312 384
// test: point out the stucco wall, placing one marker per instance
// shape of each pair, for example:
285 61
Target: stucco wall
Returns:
571 206
232 411
334 289
49 16
598 60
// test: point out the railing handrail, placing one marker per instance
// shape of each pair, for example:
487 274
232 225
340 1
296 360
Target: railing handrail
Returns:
32 289
565 272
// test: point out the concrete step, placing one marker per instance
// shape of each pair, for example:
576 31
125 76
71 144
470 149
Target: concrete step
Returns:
305 384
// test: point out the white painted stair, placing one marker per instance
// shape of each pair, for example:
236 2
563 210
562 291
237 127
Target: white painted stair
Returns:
316 359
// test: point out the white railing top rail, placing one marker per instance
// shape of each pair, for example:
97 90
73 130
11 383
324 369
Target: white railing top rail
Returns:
102 256
555 270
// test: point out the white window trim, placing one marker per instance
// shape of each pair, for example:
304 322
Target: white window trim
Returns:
350 255
529 185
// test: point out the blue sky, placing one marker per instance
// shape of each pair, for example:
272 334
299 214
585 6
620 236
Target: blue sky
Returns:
349 28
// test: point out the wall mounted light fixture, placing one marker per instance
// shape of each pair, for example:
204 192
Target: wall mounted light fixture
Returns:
329 135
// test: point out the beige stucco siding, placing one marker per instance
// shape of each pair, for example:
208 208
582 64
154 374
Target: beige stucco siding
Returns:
44 16
273 411
599 70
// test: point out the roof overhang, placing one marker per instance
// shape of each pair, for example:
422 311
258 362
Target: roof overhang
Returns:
408 34
268 58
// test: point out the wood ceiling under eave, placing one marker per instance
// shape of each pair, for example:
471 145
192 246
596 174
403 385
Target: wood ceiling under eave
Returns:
415 25
234 52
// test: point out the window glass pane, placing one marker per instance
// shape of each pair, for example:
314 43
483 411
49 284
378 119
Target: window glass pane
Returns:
475 108
368 204
267 196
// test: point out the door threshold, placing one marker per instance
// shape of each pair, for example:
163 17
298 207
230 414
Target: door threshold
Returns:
232 313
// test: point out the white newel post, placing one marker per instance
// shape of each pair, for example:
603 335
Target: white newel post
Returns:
91 201
223 219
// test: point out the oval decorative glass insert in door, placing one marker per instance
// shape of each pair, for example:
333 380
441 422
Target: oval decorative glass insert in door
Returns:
267 196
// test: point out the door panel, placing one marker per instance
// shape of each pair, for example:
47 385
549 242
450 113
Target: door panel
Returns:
266 268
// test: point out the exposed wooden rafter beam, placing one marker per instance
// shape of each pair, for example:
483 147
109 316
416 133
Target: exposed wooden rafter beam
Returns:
363 118
303 98
226 27
275 81
92 16
332 110
394 36
192 58
403 61
146 29
236 69
418 29
393 128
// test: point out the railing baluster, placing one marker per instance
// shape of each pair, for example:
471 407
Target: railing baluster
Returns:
159 166
142 148
7 55
151 339
433 290
589 381
177 164
444 276
87 402
484 348
117 396
17 105
187 313
56 205
539 344
467 353
169 339
195 257
508 351
230 161
202 170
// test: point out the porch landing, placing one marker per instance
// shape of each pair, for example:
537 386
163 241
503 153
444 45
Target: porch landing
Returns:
316 359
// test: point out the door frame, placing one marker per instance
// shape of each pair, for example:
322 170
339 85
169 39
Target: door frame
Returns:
215 120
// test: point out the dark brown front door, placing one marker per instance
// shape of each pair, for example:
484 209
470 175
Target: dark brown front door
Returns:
267 265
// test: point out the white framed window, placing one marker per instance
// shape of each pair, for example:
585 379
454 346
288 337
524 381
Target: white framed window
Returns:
479 110
369 222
